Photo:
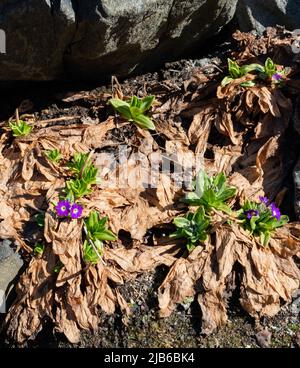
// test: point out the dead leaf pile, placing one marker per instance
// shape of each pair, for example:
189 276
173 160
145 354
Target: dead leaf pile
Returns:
240 131
266 275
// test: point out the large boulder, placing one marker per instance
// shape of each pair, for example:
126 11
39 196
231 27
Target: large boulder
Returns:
259 14
37 37
47 39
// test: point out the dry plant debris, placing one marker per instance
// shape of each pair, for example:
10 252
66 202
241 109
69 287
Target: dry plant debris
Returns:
233 129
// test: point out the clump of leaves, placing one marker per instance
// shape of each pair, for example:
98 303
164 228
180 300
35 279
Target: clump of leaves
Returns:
82 166
273 72
20 128
77 188
270 68
53 155
134 110
85 175
261 219
193 227
236 71
39 249
96 231
269 71
211 192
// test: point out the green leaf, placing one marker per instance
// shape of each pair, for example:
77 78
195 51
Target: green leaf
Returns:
77 188
251 67
234 69
89 253
193 227
53 155
226 81
283 220
39 249
135 111
247 84
97 231
105 235
270 67
134 102
146 103
222 207
181 222
117 103
85 176
209 197
78 163
20 128
226 193
210 192
192 199
220 181
253 222
199 215
144 122
122 107
99 245
190 246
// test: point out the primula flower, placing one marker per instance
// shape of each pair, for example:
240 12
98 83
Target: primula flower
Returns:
251 213
63 208
277 77
275 211
76 211
264 200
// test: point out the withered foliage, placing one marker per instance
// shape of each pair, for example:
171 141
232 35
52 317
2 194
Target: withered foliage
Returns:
268 275
233 129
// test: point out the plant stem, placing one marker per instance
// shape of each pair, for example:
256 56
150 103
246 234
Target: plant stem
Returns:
17 115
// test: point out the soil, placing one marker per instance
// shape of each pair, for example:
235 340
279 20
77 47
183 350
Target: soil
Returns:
144 328
182 329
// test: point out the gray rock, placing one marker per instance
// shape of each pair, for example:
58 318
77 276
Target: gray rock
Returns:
96 38
38 33
5 250
258 14
10 265
263 338
295 306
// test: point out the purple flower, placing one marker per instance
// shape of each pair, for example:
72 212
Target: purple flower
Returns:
277 77
275 211
63 208
76 211
264 200
251 213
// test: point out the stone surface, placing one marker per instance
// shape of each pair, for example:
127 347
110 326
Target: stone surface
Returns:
263 338
47 39
258 14
10 265
38 33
